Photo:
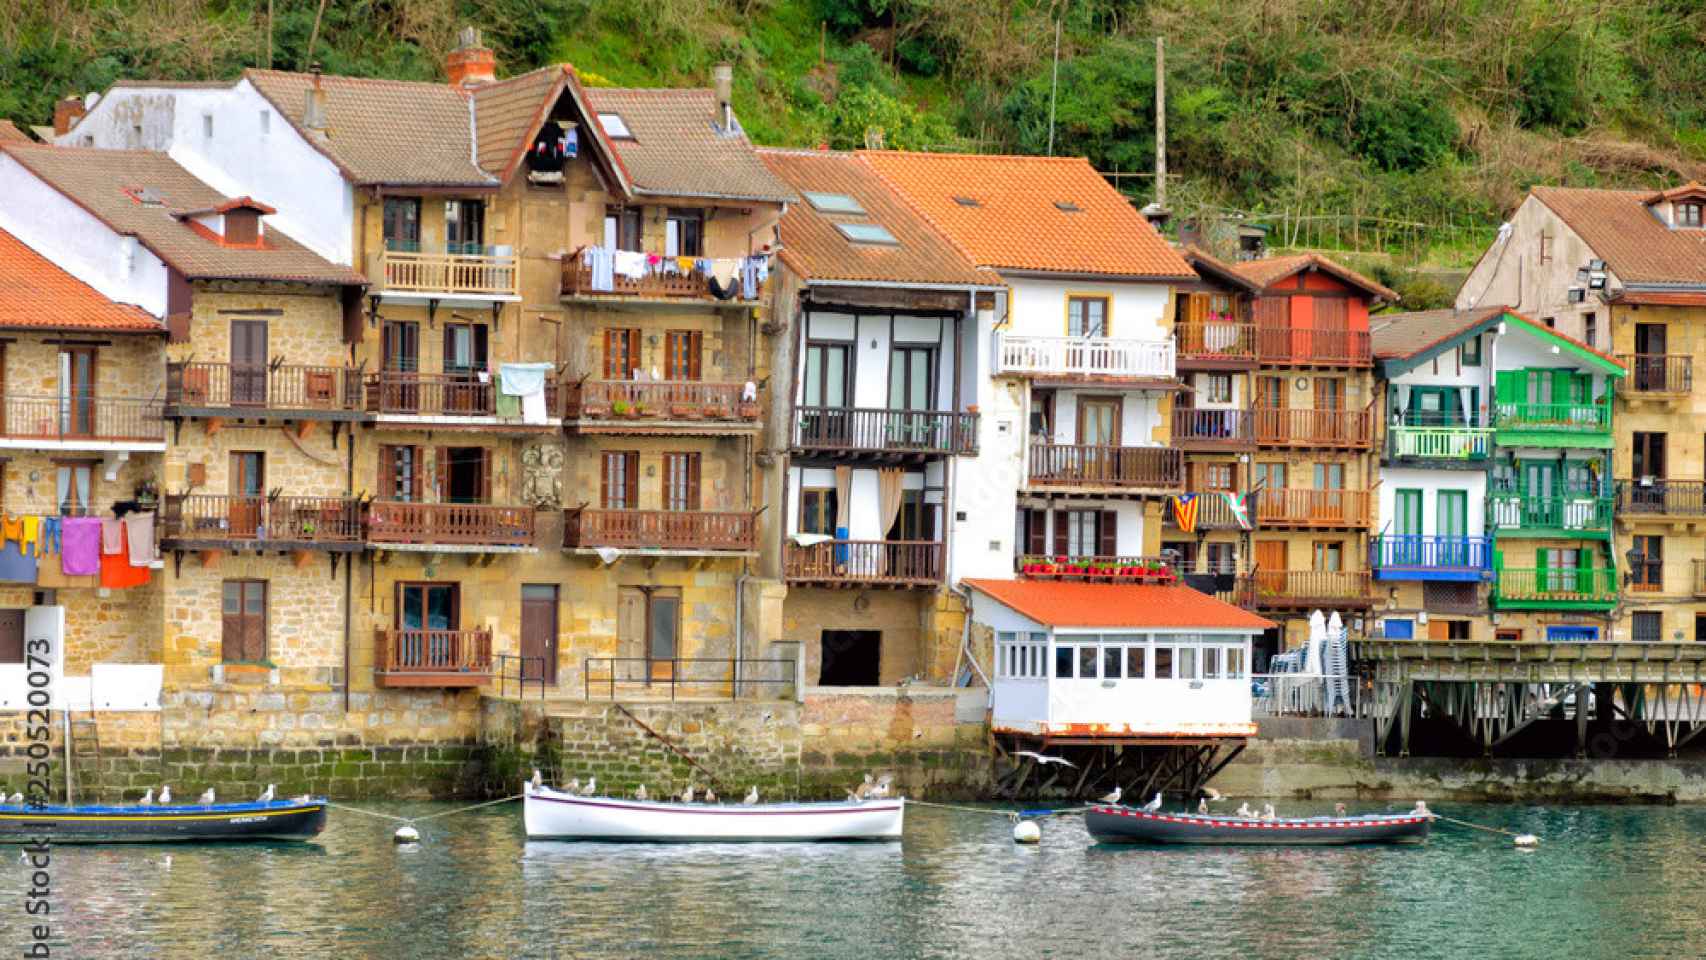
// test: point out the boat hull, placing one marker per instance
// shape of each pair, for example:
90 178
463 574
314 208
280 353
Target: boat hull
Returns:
279 820
554 815
1125 825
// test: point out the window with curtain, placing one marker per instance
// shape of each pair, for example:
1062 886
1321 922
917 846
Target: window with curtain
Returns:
1087 316
75 482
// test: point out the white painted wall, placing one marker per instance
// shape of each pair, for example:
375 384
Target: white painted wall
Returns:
1128 537
252 151
1140 414
986 488
117 266
1517 348
1135 309
1430 482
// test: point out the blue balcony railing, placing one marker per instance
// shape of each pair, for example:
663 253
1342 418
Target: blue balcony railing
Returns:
1411 557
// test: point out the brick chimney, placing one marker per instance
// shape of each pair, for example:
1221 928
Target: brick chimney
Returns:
723 86
66 112
471 64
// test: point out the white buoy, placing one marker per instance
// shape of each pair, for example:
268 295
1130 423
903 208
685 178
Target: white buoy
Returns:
1027 831
1526 840
407 834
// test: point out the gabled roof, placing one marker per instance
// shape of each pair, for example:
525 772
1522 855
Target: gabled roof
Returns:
383 132
813 248
9 133
1692 188
1620 229
509 113
1271 270
1604 362
111 184
235 203
678 150
1403 341
1118 605
1031 214
41 296
1216 270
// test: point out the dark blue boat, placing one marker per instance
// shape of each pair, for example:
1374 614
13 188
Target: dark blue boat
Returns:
1129 825
132 823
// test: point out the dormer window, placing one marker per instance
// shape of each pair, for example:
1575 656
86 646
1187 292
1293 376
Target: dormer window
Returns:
1688 214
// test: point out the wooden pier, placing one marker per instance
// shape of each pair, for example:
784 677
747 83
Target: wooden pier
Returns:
1140 766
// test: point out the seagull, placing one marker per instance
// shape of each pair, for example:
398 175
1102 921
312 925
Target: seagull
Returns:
15 798
1268 812
1214 796
710 795
592 786
1113 797
751 798
1045 760
1202 807
1245 811
1338 809
165 795
882 788
687 795
640 794
147 798
1153 805
305 798
573 786
207 797
266 795
538 778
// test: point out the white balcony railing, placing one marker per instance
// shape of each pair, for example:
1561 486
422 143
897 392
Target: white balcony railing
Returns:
1085 356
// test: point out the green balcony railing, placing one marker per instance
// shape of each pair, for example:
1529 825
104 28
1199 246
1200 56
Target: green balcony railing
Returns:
1516 512
1440 443
1565 418
1563 587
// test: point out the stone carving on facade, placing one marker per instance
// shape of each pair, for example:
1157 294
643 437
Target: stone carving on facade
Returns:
542 475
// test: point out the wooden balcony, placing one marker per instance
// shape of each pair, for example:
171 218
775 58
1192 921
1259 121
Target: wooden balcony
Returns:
1195 429
662 531
1571 515
659 406
82 422
1097 569
1564 588
1313 346
1336 429
457 398
880 432
208 389
1658 375
442 274
1404 557
432 658
1330 589
1107 468
864 563
683 288
1457 442
461 527
1553 424
1213 513
1331 509
1215 344
200 521
1661 499
1100 357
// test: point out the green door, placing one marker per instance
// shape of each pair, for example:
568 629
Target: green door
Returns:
1407 527
1452 523
1540 505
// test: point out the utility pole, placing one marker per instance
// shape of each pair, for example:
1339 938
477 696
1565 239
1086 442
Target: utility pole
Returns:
1160 123
1053 88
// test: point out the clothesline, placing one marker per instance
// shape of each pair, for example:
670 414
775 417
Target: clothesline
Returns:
721 274
112 552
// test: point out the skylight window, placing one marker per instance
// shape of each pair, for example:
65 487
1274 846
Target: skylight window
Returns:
967 202
615 126
833 202
867 233
1067 206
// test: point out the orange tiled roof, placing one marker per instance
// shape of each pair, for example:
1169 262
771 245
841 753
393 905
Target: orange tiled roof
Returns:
816 250
1044 214
41 296
1404 335
1140 606
9 132
1692 188
677 149
1271 270
1661 298
1620 229
1219 270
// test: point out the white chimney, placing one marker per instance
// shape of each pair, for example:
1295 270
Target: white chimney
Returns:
314 110
723 84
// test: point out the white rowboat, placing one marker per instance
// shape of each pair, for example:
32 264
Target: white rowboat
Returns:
554 815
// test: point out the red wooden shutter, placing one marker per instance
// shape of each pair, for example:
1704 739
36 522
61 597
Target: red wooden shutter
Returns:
1060 542
695 348
1036 532
604 482
1107 542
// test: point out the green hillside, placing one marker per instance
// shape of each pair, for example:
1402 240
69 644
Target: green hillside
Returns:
1403 128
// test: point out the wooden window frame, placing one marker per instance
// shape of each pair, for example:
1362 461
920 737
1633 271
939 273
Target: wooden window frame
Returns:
402 586
1107 303
683 356
1333 548
629 338
75 464
1085 401
1688 214
848 378
629 228
388 478
690 232
681 481
1210 380
1649 577
630 479
243 585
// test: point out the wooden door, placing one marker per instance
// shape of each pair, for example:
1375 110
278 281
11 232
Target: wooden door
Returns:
400 360
77 391
1099 436
663 631
539 632
247 485
248 363
1270 566
1649 356
11 635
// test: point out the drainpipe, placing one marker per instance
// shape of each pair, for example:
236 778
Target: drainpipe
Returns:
349 559
740 622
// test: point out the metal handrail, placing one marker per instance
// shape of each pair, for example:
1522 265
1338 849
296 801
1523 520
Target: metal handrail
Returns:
736 666
521 680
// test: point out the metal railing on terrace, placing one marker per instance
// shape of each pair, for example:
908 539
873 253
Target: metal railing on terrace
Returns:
288 386
1652 496
1516 511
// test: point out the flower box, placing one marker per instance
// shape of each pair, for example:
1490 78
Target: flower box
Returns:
747 411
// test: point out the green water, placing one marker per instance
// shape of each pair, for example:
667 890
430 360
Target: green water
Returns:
1606 882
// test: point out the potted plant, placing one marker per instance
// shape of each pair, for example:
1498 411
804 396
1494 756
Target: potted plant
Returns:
644 409
621 408
748 410
682 411
146 493
306 529
247 672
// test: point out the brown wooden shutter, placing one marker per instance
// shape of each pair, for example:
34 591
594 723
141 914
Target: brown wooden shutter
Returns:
352 314
417 472
441 474
631 474
695 349
1107 542
630 622
485 474
1036 532
387 485
255 625
693 479
604 481
1060 542
609 356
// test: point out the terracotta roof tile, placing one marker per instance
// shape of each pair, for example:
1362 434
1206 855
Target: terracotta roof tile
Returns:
677 150
104 182
1012 213
1139 606
1403 335
9 133
1219 270
40 295
384 131
1270 270
508 111
815 249
1620 229
1661 298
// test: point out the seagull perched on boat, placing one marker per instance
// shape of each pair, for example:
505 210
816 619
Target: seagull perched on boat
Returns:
1268 812
1153 805
882 788
573 787
207 797
592 786
1202 807
1245 811
165 795
1045 760
538 779
687 795
265 797
147 798
1338 809
305 798
640 794
1213 795
710 795
1113 797
751 798
16 797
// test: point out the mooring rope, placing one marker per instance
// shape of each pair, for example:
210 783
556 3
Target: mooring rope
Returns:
1476 826
415 820
1008 814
